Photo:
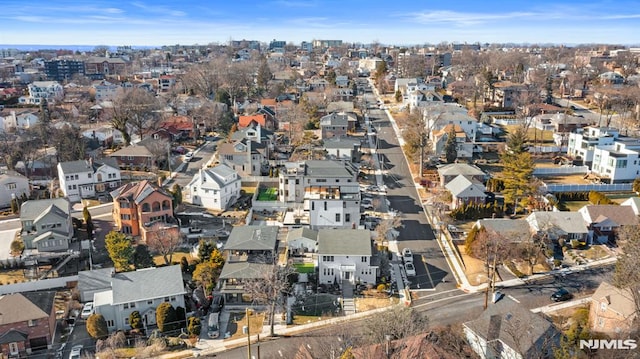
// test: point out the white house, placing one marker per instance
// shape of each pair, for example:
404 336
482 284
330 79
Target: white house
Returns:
105 91
345 254
343 148
46 224
328 191
12 185
618 162
50 90
18 120
214 188
143 291
303 239
105 135
583 141
86 178
634 203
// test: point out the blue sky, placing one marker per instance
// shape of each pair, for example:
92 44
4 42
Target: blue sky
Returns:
163 22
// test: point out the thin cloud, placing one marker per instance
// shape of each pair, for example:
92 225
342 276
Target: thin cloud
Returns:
159 9
464 18
294 3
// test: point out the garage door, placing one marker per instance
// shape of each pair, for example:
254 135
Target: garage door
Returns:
38 343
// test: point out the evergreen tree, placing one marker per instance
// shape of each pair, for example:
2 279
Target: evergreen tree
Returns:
166 318
97 326
88 222
120 250
517 174
135 320
142 258
450 148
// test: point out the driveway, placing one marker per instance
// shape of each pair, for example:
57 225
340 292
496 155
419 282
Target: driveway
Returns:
6 237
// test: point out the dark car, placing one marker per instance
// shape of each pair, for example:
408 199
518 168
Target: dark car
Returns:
561 295
217 303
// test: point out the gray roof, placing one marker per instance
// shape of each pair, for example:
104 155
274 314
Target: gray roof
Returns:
334 119
462 187
513 325
356 242
147 283
568 222
513 229
329 169
86 166
454 169
342 142
30 210
93 280
302 233
247 238
133 150
244 270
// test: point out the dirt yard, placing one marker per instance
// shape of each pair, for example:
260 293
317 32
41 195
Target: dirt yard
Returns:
364 304
474 268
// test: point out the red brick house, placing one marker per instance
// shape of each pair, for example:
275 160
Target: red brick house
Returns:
27 323
139 206
134 156
179 127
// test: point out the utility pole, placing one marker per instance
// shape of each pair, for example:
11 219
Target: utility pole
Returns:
247 313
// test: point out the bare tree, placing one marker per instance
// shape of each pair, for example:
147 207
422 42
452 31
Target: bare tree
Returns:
271 289
164 240
399 322
387 226
493 249
626 273
134 107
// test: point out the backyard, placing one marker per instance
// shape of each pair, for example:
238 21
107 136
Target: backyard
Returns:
268 194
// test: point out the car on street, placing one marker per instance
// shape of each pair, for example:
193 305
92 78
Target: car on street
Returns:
407 255
188 156
87 310
561 295
410 269
76 352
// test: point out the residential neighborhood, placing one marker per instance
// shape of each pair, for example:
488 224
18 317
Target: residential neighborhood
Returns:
454 200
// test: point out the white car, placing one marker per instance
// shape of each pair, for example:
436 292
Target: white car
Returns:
75 352
410 269
188 156
407 256
87 310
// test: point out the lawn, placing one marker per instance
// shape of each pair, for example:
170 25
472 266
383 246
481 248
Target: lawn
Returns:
268 194
176 258
574 206
237 320
304 267
316 305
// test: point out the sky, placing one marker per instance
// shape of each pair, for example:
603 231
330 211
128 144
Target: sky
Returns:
397 22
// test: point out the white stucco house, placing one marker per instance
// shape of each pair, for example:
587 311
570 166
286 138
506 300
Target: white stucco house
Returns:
143 291
38 90
214 188
86 179
345 254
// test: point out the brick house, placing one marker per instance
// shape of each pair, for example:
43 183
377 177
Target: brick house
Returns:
27 323
612 310
137 206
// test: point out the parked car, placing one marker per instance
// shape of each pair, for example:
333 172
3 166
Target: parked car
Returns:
410 269
188 156
87 310
561 295
76 352
217 303
407 255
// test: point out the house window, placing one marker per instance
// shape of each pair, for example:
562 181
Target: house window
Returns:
150 301
89 175
297 181
603 307
110 323
10 185
166 299
33 322
126 320
363 259
325 205
13 348
337 217
125 217
327 258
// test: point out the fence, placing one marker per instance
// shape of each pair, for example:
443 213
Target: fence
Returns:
560 170
618 187
44 284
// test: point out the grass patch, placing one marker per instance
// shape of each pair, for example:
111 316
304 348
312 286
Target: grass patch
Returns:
594 252
573 206
176 258
305 319
533 134
305 267
316 305
11 276
268 194
248 190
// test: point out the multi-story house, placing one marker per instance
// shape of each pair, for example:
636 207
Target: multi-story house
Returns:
28 324
63 70
618 162
166 82
334 125
345 254
505 94
214 188
138 206
603 221
142 291
343 148
583 142
105 91
18 119
247 157
13 185
250 253
612 310
464 145
106 135
51 91
88 178
134 156
327 190
99 67
46 224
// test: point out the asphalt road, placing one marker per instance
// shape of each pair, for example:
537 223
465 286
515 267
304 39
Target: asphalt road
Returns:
441 308
199 160
416 233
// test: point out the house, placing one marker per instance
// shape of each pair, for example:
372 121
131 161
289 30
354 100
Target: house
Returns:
137 206
303 240
214 188
182 127
13 185
465 191
515 230
247 157
139 291
612 310
450 171
583 141
262 119
343 148
51 91
422 98
345 254
334 125
505 94
88 178
46 224
603 221
105 135
18 119
93 281
105 91
464 146
328 191
342 81
27 323
617 163
134 156
101 67
507 329
557 225
250 251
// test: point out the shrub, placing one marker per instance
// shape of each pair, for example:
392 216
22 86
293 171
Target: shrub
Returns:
514 270
381 287
557 262
97 326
